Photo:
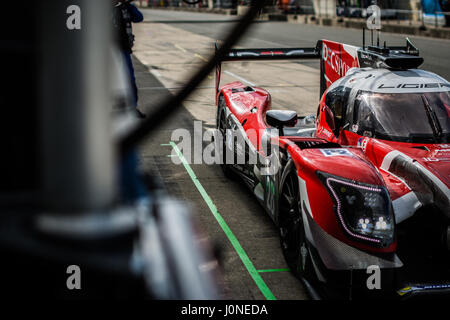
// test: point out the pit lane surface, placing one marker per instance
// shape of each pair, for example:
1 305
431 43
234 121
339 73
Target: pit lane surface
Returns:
166 54
266 34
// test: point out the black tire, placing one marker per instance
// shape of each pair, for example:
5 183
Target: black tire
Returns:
222 126
292 231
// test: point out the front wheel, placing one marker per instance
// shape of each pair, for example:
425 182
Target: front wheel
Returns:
292 230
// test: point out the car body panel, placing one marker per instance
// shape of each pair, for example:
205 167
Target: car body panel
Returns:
414 175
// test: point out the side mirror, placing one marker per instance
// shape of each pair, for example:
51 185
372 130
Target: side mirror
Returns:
281 118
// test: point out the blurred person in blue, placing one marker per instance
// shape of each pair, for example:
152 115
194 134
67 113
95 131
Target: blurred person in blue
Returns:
132 186
125 14
445 6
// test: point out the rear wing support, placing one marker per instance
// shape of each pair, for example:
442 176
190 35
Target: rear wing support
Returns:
265 54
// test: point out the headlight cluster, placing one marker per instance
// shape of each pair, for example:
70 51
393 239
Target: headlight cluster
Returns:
363 210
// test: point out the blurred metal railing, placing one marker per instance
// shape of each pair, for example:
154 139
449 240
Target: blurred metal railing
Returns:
225 4
389 16
398 16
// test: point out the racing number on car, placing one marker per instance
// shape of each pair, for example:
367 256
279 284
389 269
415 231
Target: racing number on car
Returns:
336 152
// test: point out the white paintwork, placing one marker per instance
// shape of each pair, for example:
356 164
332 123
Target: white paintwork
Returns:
405 206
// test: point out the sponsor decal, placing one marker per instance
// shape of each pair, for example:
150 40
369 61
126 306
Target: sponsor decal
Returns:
436 159
362 143
411 289
414 86
271 53
337 61
404 291
431 159
336 153
327 133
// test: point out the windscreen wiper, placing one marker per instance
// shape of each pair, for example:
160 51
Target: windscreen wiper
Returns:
432 118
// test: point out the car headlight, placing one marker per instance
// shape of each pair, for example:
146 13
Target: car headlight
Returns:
364 211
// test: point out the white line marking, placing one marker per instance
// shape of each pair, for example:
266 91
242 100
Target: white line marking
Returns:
200 57
179 47
240 78
156 73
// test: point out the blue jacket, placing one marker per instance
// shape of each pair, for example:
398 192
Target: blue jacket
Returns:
135 13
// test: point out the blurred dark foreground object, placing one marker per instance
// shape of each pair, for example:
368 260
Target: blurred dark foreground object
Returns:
59 199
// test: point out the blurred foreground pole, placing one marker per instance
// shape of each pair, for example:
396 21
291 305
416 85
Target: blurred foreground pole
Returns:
77 155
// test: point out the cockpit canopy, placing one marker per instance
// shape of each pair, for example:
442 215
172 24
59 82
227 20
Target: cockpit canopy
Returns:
417 117
406 117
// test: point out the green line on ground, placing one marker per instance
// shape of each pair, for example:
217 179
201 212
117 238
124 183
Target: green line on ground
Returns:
234 241
273 270
165 144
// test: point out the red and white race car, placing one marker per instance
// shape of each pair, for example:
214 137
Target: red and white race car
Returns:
360 189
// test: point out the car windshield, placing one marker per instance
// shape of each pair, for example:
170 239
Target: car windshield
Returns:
408 117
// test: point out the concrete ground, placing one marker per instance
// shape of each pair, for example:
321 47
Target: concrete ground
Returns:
166 53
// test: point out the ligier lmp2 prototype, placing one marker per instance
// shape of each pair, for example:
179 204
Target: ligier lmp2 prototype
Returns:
363 186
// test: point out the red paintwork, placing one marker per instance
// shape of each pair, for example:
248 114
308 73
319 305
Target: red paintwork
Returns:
307 161
363 164
241 104
337 60
355 168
